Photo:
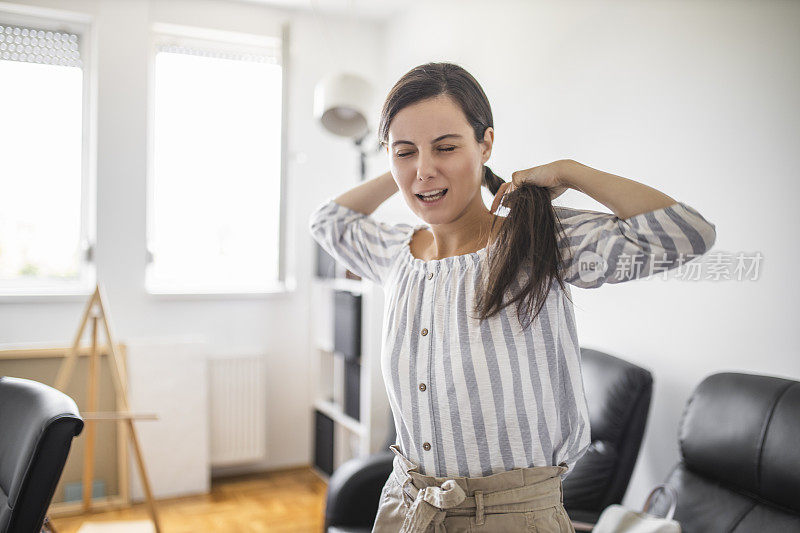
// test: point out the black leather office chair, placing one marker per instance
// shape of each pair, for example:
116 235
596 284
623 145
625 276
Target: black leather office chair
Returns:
37 425
739 442
618 394
354 490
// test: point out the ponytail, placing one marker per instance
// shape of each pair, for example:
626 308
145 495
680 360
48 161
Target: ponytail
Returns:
527 239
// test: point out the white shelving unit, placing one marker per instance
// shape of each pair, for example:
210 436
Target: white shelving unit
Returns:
351 437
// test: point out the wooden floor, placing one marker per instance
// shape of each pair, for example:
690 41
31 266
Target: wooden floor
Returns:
291 500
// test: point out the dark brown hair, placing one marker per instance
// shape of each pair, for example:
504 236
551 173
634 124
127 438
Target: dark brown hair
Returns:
527 238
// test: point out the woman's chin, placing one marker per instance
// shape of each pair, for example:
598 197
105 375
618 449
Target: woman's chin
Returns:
434 218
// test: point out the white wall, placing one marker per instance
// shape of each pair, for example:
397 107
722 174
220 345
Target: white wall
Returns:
277 324
697 99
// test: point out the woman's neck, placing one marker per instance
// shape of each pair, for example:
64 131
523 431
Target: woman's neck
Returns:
468 233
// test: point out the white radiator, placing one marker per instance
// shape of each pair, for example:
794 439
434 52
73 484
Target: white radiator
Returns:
238 405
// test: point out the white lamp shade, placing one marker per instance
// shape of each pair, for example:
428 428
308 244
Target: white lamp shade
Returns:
342 104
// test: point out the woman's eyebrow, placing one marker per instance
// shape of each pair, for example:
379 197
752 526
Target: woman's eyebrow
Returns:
437 139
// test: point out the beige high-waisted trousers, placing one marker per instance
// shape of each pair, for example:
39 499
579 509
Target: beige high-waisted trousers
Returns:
522 499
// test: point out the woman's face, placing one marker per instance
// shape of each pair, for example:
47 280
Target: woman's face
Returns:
431 148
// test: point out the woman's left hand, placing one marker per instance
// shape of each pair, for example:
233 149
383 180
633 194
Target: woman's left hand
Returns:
549 176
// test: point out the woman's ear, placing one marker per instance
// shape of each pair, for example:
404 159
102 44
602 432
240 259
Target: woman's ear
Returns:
488 140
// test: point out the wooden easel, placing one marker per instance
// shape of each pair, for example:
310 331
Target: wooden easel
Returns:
96 310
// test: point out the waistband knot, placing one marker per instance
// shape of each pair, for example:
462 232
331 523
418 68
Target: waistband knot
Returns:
430 505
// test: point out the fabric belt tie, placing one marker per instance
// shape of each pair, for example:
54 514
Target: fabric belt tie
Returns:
431 503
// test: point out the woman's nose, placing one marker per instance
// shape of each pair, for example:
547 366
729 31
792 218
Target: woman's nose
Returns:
425 167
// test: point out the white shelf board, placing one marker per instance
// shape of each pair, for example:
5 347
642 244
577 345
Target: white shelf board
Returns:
337 415
342 284
324 346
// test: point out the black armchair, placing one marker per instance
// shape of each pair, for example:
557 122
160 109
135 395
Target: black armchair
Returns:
618 394
740 460
353 493
37 425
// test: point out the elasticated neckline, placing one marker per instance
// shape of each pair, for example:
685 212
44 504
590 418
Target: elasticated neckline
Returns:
460 262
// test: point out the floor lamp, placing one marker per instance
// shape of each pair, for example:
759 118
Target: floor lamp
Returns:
342 104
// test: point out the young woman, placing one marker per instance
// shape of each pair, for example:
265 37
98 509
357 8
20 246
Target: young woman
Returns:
480 353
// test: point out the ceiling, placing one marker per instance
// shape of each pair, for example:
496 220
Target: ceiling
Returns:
377 9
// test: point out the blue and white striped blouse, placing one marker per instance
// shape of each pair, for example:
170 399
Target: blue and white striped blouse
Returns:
473 398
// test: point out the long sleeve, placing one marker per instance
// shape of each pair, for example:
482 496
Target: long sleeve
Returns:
602 248
363 244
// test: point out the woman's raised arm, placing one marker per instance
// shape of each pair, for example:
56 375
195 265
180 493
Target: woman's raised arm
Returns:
366 197
344 228
625 197
648 229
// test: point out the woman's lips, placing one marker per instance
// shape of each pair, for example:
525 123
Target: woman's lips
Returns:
432 202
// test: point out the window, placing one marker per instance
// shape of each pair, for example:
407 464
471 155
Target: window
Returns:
214 210
45 209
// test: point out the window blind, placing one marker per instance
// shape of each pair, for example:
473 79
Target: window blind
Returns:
218 54
33 45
